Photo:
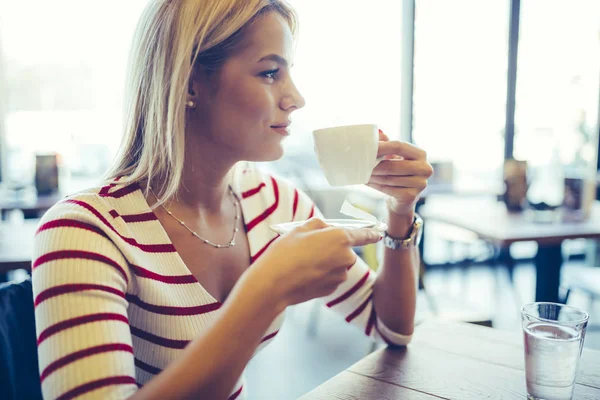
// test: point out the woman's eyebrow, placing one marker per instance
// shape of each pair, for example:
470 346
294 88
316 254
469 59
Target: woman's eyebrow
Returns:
275 57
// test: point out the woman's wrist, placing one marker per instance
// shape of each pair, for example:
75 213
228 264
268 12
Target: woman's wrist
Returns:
400 224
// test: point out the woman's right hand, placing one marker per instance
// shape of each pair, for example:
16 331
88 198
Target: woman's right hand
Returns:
310 261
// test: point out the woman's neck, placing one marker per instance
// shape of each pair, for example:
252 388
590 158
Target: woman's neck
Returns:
204 190
206 178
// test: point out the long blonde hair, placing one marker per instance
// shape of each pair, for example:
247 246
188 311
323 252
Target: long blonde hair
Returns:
172 38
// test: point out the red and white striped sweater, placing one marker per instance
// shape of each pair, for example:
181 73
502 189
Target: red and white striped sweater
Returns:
115 304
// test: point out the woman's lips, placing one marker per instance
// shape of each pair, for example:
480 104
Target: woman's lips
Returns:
282 130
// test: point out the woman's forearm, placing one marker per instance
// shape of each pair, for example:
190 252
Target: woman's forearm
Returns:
211 365
396 284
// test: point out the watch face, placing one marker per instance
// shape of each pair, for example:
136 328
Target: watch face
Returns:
418 236
418 230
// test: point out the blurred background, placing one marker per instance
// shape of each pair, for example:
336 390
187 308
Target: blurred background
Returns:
477 84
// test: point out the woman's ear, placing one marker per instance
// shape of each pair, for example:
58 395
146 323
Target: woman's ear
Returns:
198 87
192 92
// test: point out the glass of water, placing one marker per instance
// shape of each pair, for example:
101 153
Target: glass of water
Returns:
553 336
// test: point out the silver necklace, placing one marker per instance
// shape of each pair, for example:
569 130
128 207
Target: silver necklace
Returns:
216 245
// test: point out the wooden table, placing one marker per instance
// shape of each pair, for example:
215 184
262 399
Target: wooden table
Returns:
449 360
490 220
16 245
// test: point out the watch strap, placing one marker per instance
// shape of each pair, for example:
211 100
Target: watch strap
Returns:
413 238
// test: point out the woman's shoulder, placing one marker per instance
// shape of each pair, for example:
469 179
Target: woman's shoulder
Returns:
74 205
100 203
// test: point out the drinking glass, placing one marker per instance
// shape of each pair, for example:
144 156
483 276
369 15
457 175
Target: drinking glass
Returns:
553 335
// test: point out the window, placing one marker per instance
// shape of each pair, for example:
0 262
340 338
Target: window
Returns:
460 64
558 80
64 72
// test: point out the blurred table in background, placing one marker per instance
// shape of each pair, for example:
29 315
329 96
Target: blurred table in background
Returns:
489 219
30 206
24 198
16 245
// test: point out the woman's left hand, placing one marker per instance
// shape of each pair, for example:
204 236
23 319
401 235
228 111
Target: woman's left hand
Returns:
402 175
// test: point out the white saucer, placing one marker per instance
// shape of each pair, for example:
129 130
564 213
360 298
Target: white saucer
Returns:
339 223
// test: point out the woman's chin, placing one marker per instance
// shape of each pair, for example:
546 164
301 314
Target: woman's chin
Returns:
273 153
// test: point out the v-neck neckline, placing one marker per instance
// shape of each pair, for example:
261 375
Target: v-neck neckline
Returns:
169 241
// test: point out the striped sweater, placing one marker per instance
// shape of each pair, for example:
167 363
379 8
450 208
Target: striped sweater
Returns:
115 304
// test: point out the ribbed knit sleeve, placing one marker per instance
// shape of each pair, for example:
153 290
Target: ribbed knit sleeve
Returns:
80 281
353 299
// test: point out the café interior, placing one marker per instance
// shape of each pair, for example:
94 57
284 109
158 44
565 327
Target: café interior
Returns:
505 101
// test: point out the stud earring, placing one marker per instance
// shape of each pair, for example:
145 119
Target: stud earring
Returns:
190 104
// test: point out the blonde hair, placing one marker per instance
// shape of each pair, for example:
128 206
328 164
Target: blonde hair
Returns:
172 38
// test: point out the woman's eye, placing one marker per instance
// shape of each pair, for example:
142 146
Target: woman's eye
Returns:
271 74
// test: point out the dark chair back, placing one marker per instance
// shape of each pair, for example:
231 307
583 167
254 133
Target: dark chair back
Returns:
19 374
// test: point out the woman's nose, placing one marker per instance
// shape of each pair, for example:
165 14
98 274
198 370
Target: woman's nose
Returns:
293 100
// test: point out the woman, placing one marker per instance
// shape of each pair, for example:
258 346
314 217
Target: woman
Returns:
143 287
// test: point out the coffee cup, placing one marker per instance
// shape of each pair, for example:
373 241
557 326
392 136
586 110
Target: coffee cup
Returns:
347 154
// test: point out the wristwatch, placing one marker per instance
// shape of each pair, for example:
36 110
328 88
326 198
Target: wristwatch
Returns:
413 239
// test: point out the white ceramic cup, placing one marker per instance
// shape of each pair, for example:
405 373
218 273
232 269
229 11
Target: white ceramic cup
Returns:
347 154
